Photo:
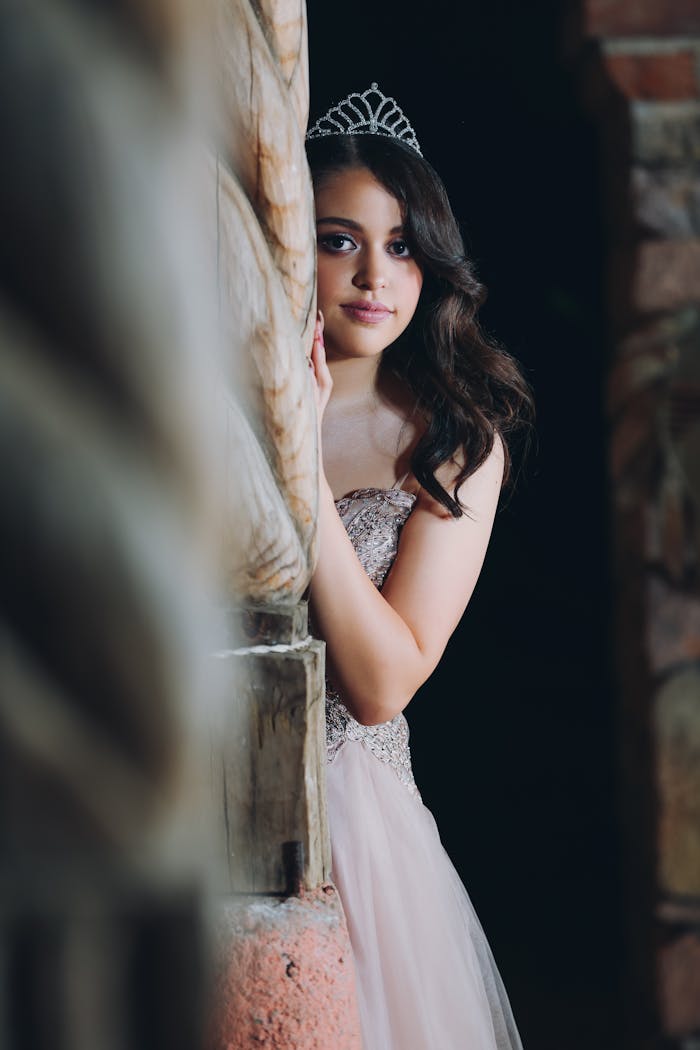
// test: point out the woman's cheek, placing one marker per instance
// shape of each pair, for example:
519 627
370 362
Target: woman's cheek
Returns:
324 281
413 290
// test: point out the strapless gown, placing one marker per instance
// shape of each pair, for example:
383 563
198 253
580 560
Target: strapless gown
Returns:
426 979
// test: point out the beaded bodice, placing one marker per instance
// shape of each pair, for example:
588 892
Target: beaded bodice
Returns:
373 519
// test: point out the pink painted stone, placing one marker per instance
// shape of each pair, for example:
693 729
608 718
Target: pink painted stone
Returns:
284 975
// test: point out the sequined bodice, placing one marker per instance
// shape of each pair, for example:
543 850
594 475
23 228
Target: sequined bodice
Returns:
373 519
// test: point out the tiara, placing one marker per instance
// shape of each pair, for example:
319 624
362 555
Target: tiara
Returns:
356 115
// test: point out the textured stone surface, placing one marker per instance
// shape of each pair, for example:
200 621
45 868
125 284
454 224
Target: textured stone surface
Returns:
668 76
666 134
640 83
679 985
673 624
677 729
667 204
284 975
667 275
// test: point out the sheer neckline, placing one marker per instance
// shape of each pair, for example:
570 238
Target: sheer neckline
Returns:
373 490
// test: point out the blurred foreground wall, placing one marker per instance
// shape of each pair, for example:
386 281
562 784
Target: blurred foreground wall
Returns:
109 529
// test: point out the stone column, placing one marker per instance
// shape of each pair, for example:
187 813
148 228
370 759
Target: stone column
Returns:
639 65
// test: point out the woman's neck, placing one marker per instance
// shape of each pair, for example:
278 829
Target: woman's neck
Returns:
355 382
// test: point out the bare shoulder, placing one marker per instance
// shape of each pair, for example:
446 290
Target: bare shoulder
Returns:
477 494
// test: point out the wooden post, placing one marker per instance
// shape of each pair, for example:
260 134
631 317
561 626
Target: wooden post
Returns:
270 763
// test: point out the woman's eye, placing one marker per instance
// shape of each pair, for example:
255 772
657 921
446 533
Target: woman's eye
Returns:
336 242
400 248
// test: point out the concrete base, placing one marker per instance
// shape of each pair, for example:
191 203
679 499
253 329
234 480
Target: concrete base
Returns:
284 975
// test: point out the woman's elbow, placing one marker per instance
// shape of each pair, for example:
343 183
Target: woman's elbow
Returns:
376 707
379 697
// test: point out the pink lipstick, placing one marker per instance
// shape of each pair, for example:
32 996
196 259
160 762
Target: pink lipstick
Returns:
367 312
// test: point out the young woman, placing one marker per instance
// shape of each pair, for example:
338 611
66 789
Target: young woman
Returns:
416 408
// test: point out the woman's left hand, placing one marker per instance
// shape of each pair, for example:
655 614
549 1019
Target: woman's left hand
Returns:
323 382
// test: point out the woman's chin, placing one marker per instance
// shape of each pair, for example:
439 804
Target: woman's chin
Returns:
358 344
355 351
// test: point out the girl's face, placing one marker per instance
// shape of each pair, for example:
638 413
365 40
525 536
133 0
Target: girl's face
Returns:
368 281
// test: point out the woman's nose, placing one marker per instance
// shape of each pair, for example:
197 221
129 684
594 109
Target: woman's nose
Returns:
370 274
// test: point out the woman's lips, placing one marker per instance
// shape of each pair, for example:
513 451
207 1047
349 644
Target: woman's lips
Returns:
367 313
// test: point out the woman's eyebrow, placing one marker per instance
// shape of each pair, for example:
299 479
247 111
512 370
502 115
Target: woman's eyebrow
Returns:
337 220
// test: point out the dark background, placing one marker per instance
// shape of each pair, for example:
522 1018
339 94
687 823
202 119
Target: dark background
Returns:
513 738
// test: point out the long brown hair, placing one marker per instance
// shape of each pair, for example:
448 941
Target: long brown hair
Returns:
467 387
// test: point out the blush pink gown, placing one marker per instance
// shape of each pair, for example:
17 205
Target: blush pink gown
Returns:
426 979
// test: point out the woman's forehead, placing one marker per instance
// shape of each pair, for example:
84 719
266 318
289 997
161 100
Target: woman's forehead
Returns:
356 194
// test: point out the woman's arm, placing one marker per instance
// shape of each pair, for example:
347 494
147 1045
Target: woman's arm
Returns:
383 645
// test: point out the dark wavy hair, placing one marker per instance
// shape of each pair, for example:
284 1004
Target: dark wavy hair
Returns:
467 387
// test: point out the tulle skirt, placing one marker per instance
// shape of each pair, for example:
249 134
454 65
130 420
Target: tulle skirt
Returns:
426 979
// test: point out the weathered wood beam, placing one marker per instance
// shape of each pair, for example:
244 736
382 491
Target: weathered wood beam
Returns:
269 764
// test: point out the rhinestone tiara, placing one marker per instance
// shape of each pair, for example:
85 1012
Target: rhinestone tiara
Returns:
357 115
